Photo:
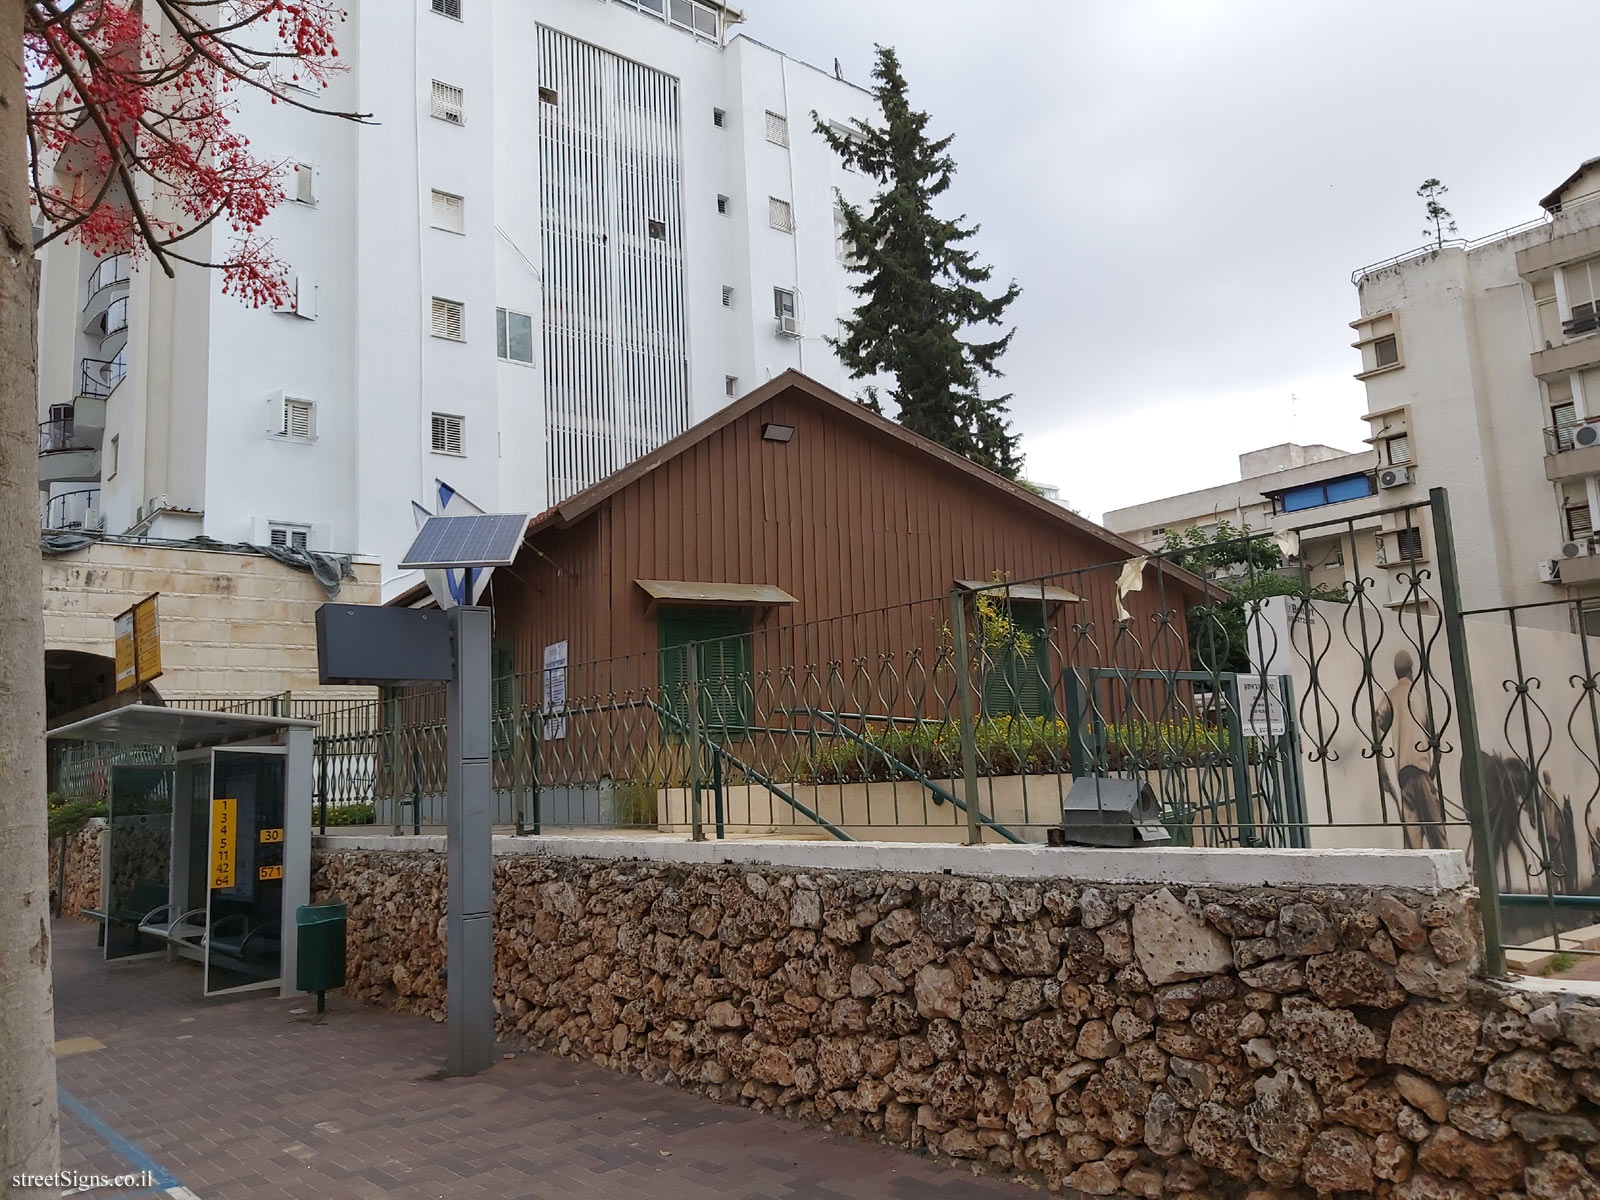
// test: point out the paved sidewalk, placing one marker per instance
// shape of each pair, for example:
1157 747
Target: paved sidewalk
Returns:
236 1097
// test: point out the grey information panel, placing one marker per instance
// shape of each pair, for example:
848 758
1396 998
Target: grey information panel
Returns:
478 540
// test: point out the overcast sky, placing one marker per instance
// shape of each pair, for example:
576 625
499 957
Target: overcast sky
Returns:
1183 189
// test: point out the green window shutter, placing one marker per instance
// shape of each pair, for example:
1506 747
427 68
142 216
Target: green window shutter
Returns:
1017 683
503 692
723 664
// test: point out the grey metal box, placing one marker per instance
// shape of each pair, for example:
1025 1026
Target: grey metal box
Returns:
371 643
1099 811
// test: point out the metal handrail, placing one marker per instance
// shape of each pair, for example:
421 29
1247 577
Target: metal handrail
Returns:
57 436
116 269
100 376
116 317
1448 244
58 509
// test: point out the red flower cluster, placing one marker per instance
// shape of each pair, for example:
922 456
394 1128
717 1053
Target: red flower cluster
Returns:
130 112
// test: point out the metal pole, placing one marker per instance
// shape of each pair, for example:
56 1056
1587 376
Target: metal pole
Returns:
469 851
322 789
1467 734
697 832
969 740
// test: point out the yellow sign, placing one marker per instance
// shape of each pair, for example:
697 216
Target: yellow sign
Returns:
270 872
147 638
224 826
138 644
127 666
271 837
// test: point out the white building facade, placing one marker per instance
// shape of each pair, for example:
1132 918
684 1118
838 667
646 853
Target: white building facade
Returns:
572 229
1481 362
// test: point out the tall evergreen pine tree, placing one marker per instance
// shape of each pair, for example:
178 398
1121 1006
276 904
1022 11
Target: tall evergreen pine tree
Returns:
920 288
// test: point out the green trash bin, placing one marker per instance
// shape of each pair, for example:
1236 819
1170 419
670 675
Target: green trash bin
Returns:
319 947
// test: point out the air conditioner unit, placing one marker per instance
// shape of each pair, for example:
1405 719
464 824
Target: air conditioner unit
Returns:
1549 571
1393 477
789 326
1586 435
1580 549
92 519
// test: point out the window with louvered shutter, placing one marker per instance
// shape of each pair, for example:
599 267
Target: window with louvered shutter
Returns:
722 665
730 384
446 434
777 129
727 297
299 419
1580 522
294 537
719 118
1564 417
305 183
449 103
448 8
780 215
1409 543
1399 450
448 319
1016 675
447 212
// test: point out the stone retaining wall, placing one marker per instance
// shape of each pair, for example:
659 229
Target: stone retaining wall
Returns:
82 888
1148 1040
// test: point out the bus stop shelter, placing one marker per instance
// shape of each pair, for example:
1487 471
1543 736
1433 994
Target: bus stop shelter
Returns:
208 854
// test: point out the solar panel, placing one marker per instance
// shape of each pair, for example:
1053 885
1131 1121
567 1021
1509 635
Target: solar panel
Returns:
479 540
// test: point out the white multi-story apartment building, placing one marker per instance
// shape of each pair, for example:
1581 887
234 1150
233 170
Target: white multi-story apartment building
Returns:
1482 367
1481 362
572 229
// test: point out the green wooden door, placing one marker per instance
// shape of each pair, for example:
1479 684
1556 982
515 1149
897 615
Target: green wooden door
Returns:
722 660
1017 673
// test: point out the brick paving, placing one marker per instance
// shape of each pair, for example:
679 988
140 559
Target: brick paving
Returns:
238 1097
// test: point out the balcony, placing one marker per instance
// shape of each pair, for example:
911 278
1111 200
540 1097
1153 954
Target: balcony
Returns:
66 454
1564 458
116 269
1568 357
99 376
79 510
1582 568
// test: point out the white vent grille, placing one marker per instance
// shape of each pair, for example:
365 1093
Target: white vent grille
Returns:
777 129
447 212
727 297
449 103
305 183
780 215
299 419
447 319
294 537
446 434
1400 450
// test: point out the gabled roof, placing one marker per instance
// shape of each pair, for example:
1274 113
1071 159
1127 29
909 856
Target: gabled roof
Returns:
791 385
1552 202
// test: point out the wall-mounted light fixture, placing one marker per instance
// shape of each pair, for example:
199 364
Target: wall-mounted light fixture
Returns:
771 432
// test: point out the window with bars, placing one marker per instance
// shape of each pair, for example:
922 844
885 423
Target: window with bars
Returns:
1398 449
446 438
1580 521
449 103
448 319
448 8
777 129
448 212
513 335
293 537
299 423
780 215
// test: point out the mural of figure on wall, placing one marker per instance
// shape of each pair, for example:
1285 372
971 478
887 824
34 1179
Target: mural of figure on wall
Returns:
1517 804
1416 761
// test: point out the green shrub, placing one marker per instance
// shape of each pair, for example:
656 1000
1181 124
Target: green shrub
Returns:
345 814
68 814
1007 746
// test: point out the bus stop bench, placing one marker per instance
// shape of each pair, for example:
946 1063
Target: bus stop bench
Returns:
143 900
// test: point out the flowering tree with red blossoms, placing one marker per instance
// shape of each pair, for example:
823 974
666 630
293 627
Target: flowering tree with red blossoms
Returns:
117 131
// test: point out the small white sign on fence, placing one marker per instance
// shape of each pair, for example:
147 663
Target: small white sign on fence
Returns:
1260 707
555 691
